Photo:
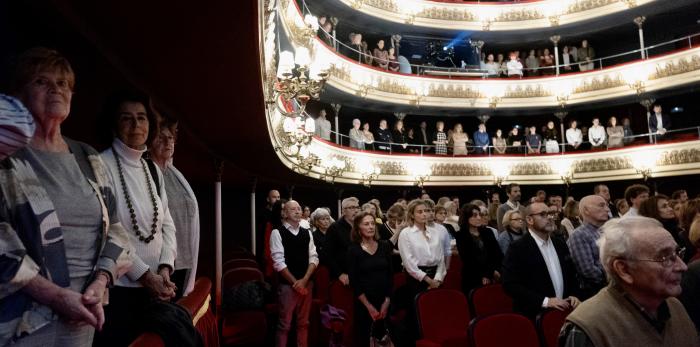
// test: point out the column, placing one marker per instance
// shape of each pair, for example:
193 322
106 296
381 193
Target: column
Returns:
561 115
336 108
647 103
555 39
334 21
640 21
217 232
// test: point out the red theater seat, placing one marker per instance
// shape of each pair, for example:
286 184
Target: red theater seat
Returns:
549 324
243 327
489 300
443 317
503 329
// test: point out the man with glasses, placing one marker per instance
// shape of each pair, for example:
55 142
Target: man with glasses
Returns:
338 239
537 270
583 247
638 307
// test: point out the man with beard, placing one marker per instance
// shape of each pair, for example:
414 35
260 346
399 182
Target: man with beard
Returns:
537 271
513 203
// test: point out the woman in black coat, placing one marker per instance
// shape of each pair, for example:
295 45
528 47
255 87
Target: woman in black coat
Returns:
481 256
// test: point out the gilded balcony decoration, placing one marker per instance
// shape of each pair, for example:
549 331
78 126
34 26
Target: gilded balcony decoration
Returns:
528 91
599 83
452 91
681 66
486 17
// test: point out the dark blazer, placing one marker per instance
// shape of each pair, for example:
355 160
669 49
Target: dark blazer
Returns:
526 278
474 268
337 244
653 127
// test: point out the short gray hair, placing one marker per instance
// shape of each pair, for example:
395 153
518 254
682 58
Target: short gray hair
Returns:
616 240
318 214
348 201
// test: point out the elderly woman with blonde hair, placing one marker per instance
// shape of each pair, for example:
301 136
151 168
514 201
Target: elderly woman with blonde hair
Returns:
320 221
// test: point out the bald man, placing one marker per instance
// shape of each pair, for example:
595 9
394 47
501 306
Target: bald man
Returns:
583 247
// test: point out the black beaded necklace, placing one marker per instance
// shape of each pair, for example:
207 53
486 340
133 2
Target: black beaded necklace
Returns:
134 224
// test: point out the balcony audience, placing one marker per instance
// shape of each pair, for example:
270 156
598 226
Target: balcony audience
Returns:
583 247
459 140
533 141
440 139
367 137
537 271
567 61
323 126
381 56
338 238
184 209
412 141
399 137
639 306
627 127
325 34
499 143
394 63
481 140
635 195
532 64
616 133
514 141
547 63
551 138
353 50
586 53
574 137
480 253
295 261
491 67
659 123
357 138
513 203
370 271
62 241
514 67
424 137
514 228
384 136
596 135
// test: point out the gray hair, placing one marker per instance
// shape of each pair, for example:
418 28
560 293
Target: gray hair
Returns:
509 214
318 214
617 240
348 201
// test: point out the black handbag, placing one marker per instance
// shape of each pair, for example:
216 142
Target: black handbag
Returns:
245 296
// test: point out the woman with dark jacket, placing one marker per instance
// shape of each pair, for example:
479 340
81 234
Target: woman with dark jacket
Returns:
657 207
399 137
477 246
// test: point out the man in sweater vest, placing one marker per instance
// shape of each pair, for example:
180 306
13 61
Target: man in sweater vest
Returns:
294 259
638 308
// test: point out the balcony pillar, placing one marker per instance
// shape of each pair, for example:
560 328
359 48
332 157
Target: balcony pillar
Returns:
555 39
561 115
647 103
640 22
336 108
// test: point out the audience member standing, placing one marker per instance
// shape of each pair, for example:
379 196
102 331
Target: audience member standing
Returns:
381 56
514 66
551 138
572 217
490 66
596 135
635 195
585 56
338 238
321 220
638 307
583 247
399 137
515 141
499 143
615 133
627 128
532 64
370 271
567 61
604 192
513 229
481 140
368 137
383 136
323 126
357 138
533 141
574 136
513 203
547 62
295 260
480 253
658 207
424 138
459 140
440 139
537 271
659 123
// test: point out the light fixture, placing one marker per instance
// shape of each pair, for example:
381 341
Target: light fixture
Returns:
420 170
334 167
645 162
368 171
294 88
298 132
500 171
564 168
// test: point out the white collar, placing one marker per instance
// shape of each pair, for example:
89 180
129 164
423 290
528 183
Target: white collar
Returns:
540 242
513 206
127 154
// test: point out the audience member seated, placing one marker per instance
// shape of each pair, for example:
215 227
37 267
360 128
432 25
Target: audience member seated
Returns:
295 260
638 307
142 206
513 224
55 269
596 135
338 238
616 133
574 137
480 253
583 247
537 271
551 138
622 207
691 279
572 218
371 275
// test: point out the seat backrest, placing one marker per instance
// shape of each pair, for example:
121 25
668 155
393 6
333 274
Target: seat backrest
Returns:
453 280
455 264
236 276
549 324
236 263
399 280
342 297
490 299
503 329
442 313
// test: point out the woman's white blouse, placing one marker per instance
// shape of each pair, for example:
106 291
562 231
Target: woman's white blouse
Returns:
419 250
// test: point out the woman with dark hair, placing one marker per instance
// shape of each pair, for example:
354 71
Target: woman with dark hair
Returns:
477 246
183 206
371 278
399 137
657 207
142 206
62 244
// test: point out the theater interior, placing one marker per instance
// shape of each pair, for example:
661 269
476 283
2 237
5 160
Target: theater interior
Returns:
246 81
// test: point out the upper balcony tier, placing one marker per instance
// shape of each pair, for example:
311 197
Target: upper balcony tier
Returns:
351 80
415 16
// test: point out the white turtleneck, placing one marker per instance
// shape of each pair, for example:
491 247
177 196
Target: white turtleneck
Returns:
162 249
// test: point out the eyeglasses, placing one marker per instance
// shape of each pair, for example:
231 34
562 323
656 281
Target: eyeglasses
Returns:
352 207
668 260
545 214
516 219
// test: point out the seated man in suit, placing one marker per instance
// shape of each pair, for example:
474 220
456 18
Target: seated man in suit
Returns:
538 271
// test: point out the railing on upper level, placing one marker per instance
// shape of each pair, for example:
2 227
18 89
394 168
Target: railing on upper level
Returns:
545 148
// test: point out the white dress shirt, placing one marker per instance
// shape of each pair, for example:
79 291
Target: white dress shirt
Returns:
553 267
632 212
596 135
514 68
659 121
417 249
574 136
277 249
